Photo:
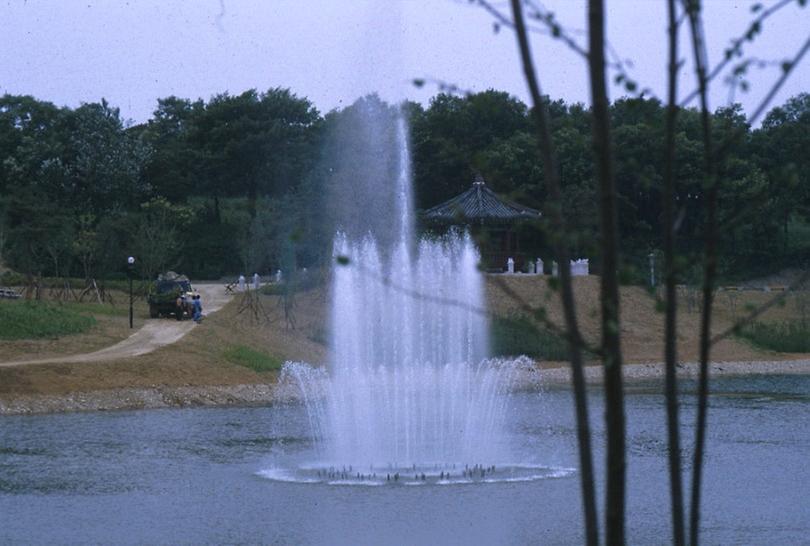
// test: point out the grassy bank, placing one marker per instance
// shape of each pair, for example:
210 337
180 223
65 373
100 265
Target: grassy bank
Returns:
258 361
784 336
518 335
35 320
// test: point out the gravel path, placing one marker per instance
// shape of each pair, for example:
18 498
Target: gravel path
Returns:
154 334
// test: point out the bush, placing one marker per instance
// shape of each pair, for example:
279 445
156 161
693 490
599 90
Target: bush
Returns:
257 361
32 319
519 335
784 337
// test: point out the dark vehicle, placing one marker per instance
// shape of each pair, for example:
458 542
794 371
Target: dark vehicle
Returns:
170 295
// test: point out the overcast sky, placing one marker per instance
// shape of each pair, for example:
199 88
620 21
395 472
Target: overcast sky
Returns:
333 51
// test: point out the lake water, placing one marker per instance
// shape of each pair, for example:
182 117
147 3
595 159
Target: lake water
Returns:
198 476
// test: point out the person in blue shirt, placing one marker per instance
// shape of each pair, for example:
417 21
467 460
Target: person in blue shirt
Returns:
196 304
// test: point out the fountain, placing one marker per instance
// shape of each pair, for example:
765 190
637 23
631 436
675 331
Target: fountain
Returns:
410 394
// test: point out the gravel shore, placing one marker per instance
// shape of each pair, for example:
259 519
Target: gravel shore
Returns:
264 394
140 398
687 370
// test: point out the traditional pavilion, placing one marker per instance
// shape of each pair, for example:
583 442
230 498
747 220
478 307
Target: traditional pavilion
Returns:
490 218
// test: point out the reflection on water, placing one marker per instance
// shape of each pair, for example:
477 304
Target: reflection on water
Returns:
200 476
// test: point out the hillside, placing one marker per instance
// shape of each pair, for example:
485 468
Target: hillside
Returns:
204 357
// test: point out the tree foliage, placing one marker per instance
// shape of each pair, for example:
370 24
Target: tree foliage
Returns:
73 182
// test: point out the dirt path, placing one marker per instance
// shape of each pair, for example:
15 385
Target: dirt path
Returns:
154 334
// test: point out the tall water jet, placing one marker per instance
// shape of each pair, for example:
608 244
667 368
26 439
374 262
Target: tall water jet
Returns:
409 382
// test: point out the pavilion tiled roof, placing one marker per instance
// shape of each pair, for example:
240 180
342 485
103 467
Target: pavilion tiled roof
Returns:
479 204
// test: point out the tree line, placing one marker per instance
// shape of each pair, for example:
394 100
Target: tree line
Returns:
236 183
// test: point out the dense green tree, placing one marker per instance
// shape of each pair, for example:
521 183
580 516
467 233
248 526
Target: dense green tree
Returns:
37 232
254 144
172 169
780 149
360 157
451 136
247 167
160 233
32 143
103 160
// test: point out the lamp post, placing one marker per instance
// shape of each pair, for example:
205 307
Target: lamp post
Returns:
130 267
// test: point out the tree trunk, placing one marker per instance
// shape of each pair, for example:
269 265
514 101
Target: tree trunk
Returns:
670 280
699 51
554 212
611 330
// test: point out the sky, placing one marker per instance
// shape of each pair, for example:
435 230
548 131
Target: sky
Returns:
334 51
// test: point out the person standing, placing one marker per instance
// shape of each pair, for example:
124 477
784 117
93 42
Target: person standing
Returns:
197 306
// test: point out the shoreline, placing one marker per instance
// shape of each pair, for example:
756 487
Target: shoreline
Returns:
643 371
261 394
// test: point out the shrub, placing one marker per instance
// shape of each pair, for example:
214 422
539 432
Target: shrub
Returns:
257 361
519 335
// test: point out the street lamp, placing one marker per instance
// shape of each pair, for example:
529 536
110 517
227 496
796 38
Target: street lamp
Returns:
130 267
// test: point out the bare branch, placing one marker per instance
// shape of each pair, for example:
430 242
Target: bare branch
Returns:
503 20
735 49
759 311
443 85
610 303
555 29
670 281
551 27
786 70
693 9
